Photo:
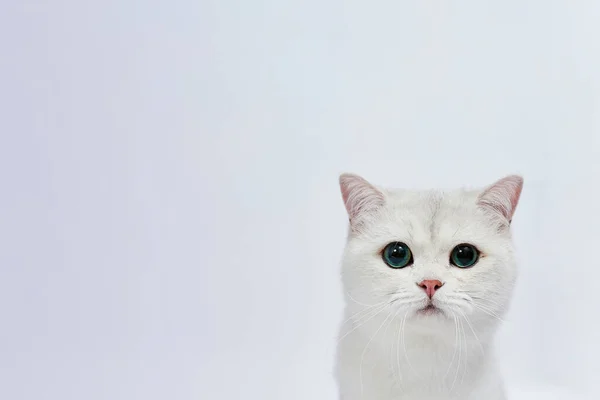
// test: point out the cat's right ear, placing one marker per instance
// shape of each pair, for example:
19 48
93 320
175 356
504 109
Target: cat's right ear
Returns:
360 198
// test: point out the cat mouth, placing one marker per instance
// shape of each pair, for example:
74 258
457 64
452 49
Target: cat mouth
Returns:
430 309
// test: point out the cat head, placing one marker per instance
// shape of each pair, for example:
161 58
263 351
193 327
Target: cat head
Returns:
431 256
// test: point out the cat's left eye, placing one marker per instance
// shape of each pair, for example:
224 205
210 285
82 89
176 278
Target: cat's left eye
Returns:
464 255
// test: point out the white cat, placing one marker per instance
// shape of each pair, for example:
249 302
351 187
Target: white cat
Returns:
428 276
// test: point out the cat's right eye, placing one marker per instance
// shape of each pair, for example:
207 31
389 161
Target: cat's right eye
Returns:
397 255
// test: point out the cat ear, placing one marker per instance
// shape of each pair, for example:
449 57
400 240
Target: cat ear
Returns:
503 196
360 197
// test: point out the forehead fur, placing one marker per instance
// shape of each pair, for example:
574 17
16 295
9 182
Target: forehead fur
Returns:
432 218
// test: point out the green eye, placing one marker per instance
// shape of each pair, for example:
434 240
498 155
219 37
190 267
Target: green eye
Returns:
397 255
464 255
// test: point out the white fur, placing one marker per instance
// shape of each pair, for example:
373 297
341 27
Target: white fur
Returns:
385 350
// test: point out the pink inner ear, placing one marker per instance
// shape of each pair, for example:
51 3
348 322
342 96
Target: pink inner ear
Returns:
359 195
503 196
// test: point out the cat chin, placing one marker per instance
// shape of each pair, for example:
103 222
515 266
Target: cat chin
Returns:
431 321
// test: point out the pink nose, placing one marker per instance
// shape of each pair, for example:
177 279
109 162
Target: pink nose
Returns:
430 286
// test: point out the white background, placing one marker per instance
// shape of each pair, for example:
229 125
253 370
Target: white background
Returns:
170 220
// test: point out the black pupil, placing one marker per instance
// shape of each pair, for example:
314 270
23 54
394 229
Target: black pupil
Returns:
398 253
465 254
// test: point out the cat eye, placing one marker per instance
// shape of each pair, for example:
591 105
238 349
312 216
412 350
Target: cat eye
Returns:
397 255
464 255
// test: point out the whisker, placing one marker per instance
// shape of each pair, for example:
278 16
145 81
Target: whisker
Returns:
391 364
455 346
407 303
366 311
462 296
398 296
466 352
365 351
458 305
356 320
488 300
404 345
363 322
488 303
393 343
487 311
473 330
358 302
459 352
398 355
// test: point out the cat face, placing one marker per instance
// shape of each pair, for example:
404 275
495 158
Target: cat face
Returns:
430 256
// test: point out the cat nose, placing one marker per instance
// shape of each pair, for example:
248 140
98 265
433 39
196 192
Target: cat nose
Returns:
430 286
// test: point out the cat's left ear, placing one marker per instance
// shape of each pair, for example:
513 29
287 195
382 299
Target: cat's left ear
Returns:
503 196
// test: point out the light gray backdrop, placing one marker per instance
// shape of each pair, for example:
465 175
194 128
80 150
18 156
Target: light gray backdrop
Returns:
170 221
